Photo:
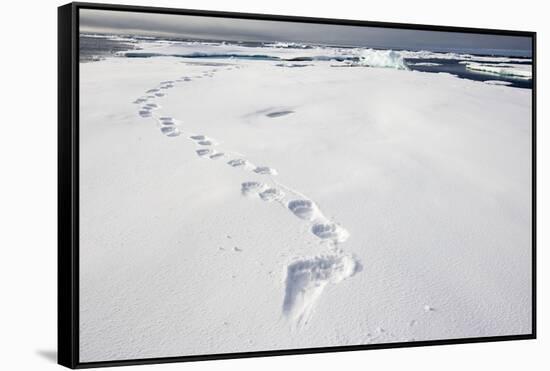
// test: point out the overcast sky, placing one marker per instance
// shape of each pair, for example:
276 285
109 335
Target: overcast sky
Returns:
253 30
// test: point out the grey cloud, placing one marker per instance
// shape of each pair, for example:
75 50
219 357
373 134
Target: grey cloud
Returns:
255 30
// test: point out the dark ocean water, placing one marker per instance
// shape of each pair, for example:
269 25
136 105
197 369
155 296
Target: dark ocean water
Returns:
97 48
454 67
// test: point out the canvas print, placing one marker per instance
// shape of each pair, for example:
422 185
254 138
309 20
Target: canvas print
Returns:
252 185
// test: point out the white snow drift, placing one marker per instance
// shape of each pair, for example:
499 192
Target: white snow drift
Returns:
236 205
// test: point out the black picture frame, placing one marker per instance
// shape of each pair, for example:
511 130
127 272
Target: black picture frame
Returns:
68 183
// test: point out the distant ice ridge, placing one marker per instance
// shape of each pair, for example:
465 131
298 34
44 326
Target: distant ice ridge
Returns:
497 82
121 38
425 54
284 52
382 58
298 52
522 71
282 44
425 64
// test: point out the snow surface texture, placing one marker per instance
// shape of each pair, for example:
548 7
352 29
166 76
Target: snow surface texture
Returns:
241 206
306 277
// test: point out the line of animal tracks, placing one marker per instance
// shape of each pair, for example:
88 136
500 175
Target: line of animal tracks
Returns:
306 277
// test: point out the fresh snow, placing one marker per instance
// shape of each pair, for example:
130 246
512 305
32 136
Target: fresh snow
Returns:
237 206
306 280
